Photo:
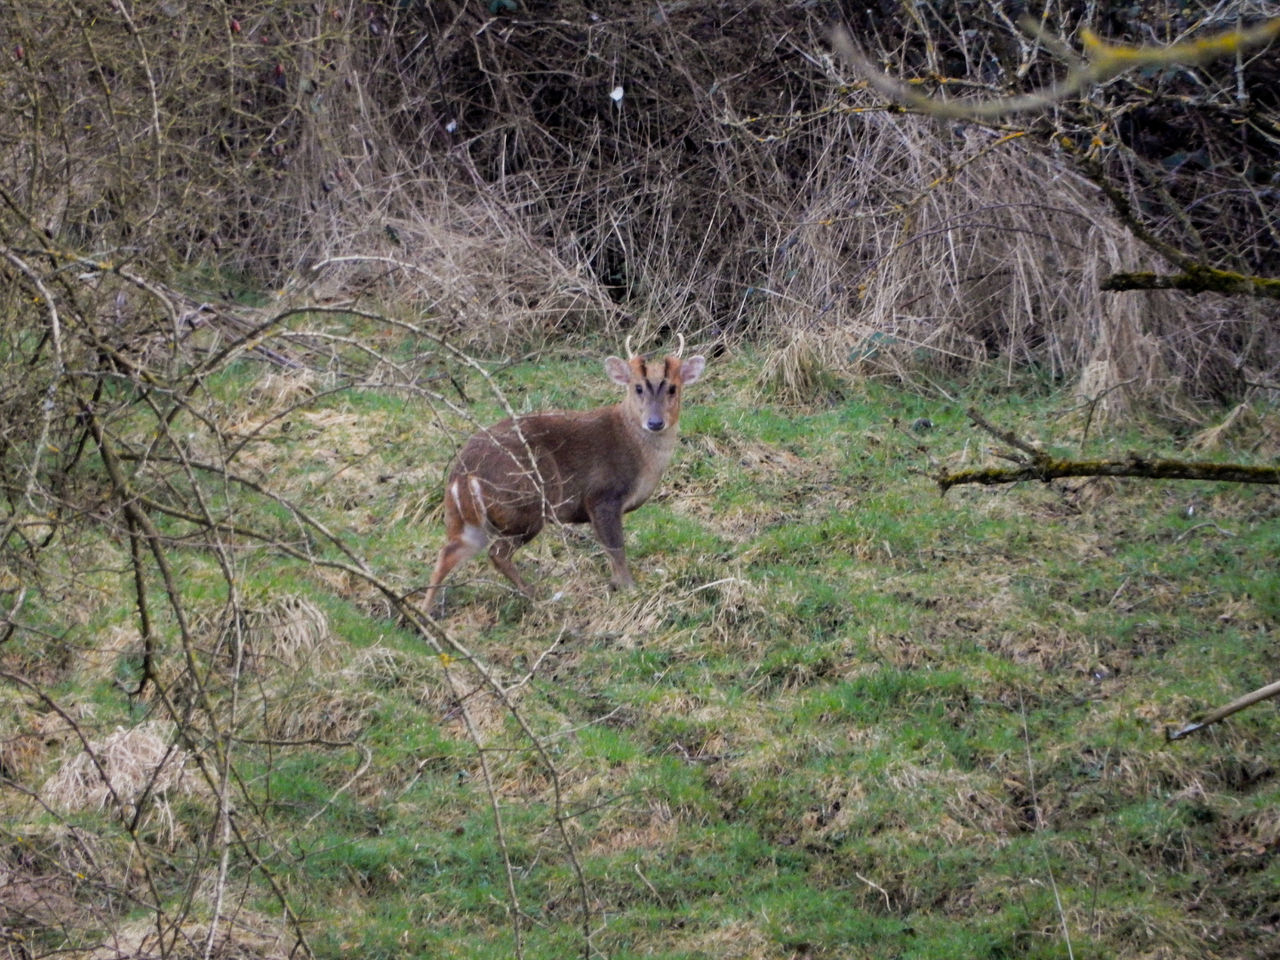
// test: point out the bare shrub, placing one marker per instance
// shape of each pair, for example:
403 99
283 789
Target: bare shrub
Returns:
477 279
778 197
478 172
47 875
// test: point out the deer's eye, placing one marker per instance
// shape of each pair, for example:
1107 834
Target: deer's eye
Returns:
672 390
639 390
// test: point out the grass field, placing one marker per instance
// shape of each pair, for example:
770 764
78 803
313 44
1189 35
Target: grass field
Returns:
842 716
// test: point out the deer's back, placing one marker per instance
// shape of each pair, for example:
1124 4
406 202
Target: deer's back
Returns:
575 457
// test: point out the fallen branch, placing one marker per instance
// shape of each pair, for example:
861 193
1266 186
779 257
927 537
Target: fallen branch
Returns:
1235 706
1044 467
1200 279
1040 465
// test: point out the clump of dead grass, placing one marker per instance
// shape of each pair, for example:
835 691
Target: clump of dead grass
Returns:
284 637
1242 421
737 604
802 371
651 830
280 389
126 768
247 937
471 276
386 668
731 940
314 711
288 633
383 668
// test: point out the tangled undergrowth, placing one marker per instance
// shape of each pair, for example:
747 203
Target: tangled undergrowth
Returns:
529 177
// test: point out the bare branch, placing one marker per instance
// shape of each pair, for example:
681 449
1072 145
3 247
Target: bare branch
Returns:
1101 61
1046 468
1004 435
1235 706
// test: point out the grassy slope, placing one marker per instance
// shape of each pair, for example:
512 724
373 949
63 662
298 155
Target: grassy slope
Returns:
841 716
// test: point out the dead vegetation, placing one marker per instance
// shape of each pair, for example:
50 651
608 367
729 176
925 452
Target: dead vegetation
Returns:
476 171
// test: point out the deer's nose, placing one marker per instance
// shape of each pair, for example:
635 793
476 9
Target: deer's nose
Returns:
655 424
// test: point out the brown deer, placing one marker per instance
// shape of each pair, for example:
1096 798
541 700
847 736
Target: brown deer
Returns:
568 466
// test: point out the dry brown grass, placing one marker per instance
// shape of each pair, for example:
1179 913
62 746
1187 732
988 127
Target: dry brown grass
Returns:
314 712
992 264
734 940
123 770
249 937
383 667
650 830
287 634
801 371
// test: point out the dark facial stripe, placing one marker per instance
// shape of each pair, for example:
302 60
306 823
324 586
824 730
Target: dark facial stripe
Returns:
653 385
655 390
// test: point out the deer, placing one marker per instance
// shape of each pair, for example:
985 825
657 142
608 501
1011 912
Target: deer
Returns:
588 466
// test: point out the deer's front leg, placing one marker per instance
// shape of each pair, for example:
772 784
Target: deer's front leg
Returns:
606 522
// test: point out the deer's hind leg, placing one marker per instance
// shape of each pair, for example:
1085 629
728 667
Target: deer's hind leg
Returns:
500 552
460 547
465 536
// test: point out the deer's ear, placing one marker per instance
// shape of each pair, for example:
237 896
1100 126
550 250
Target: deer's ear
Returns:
617 370
691 369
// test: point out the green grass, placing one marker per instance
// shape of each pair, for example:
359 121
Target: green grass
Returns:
842 716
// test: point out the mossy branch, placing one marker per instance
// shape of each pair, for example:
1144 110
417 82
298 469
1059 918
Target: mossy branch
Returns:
1195 276
1101 61
1044 467
1037 464
1199 280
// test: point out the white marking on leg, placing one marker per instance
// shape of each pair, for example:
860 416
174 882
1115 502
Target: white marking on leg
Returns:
482 509
476 538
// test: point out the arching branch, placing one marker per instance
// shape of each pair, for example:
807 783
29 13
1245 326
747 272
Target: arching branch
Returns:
1100 61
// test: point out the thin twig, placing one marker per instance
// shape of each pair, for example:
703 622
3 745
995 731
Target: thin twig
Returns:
1235 706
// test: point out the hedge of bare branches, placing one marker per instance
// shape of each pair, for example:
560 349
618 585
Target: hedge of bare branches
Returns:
531 174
